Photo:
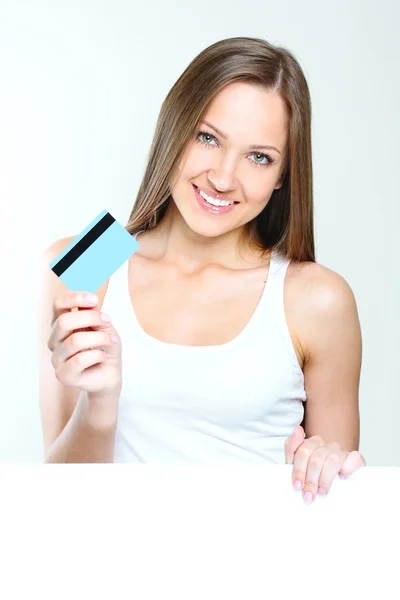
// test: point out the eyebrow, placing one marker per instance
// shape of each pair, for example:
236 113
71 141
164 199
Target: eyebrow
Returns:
252 147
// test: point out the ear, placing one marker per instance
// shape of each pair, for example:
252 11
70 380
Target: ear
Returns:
279 182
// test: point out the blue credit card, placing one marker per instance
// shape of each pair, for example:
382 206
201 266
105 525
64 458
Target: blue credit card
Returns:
94 255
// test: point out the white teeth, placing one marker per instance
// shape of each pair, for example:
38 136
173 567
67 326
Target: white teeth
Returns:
213 200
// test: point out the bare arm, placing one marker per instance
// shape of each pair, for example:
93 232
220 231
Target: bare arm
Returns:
77 426
333 360
87 437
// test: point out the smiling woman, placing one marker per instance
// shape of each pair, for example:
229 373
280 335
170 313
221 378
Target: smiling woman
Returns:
229 326
244 176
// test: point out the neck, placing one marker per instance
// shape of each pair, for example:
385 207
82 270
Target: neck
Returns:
174 242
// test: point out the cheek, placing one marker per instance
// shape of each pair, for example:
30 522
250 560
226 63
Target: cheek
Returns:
186 166
196 162
255 194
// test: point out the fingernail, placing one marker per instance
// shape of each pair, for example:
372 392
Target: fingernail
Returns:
308 497
321 491
92 298
105 317
298 484
114 337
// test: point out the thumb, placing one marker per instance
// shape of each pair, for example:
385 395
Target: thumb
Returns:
292 443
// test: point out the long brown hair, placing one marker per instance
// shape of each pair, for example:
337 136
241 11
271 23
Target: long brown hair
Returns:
286 223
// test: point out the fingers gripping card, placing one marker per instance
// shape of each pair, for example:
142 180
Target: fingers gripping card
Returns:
95 254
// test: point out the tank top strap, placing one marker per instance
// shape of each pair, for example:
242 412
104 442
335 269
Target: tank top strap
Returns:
278 268
137 233
117 294
279 265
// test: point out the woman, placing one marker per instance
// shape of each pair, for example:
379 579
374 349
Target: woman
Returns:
227 323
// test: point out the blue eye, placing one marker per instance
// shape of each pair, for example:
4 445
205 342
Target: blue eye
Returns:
205 134
262 156
199 134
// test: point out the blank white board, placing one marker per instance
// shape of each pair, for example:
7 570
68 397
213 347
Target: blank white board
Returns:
147 532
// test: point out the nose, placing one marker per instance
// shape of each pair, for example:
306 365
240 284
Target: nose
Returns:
223 177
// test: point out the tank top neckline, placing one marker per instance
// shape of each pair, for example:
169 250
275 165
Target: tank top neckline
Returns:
251 325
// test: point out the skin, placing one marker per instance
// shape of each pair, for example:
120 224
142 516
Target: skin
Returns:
190 284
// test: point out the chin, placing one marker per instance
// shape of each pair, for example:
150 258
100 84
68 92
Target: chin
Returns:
207 229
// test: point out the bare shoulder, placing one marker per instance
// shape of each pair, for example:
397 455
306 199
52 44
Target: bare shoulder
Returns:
316 296
318 287
56 248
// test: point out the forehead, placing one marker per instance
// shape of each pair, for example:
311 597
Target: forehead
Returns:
250 114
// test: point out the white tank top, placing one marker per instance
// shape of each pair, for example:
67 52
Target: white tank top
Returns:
231 403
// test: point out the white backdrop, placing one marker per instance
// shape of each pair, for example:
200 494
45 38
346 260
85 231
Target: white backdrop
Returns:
81 85
124 531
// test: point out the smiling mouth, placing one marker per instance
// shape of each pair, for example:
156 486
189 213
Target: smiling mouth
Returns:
210 207
214 201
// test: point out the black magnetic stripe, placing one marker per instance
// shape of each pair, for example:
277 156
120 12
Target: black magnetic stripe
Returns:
92 236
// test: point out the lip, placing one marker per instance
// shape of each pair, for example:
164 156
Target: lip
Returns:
215 210
214 195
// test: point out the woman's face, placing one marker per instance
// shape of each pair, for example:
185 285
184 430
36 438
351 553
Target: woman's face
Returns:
228 164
